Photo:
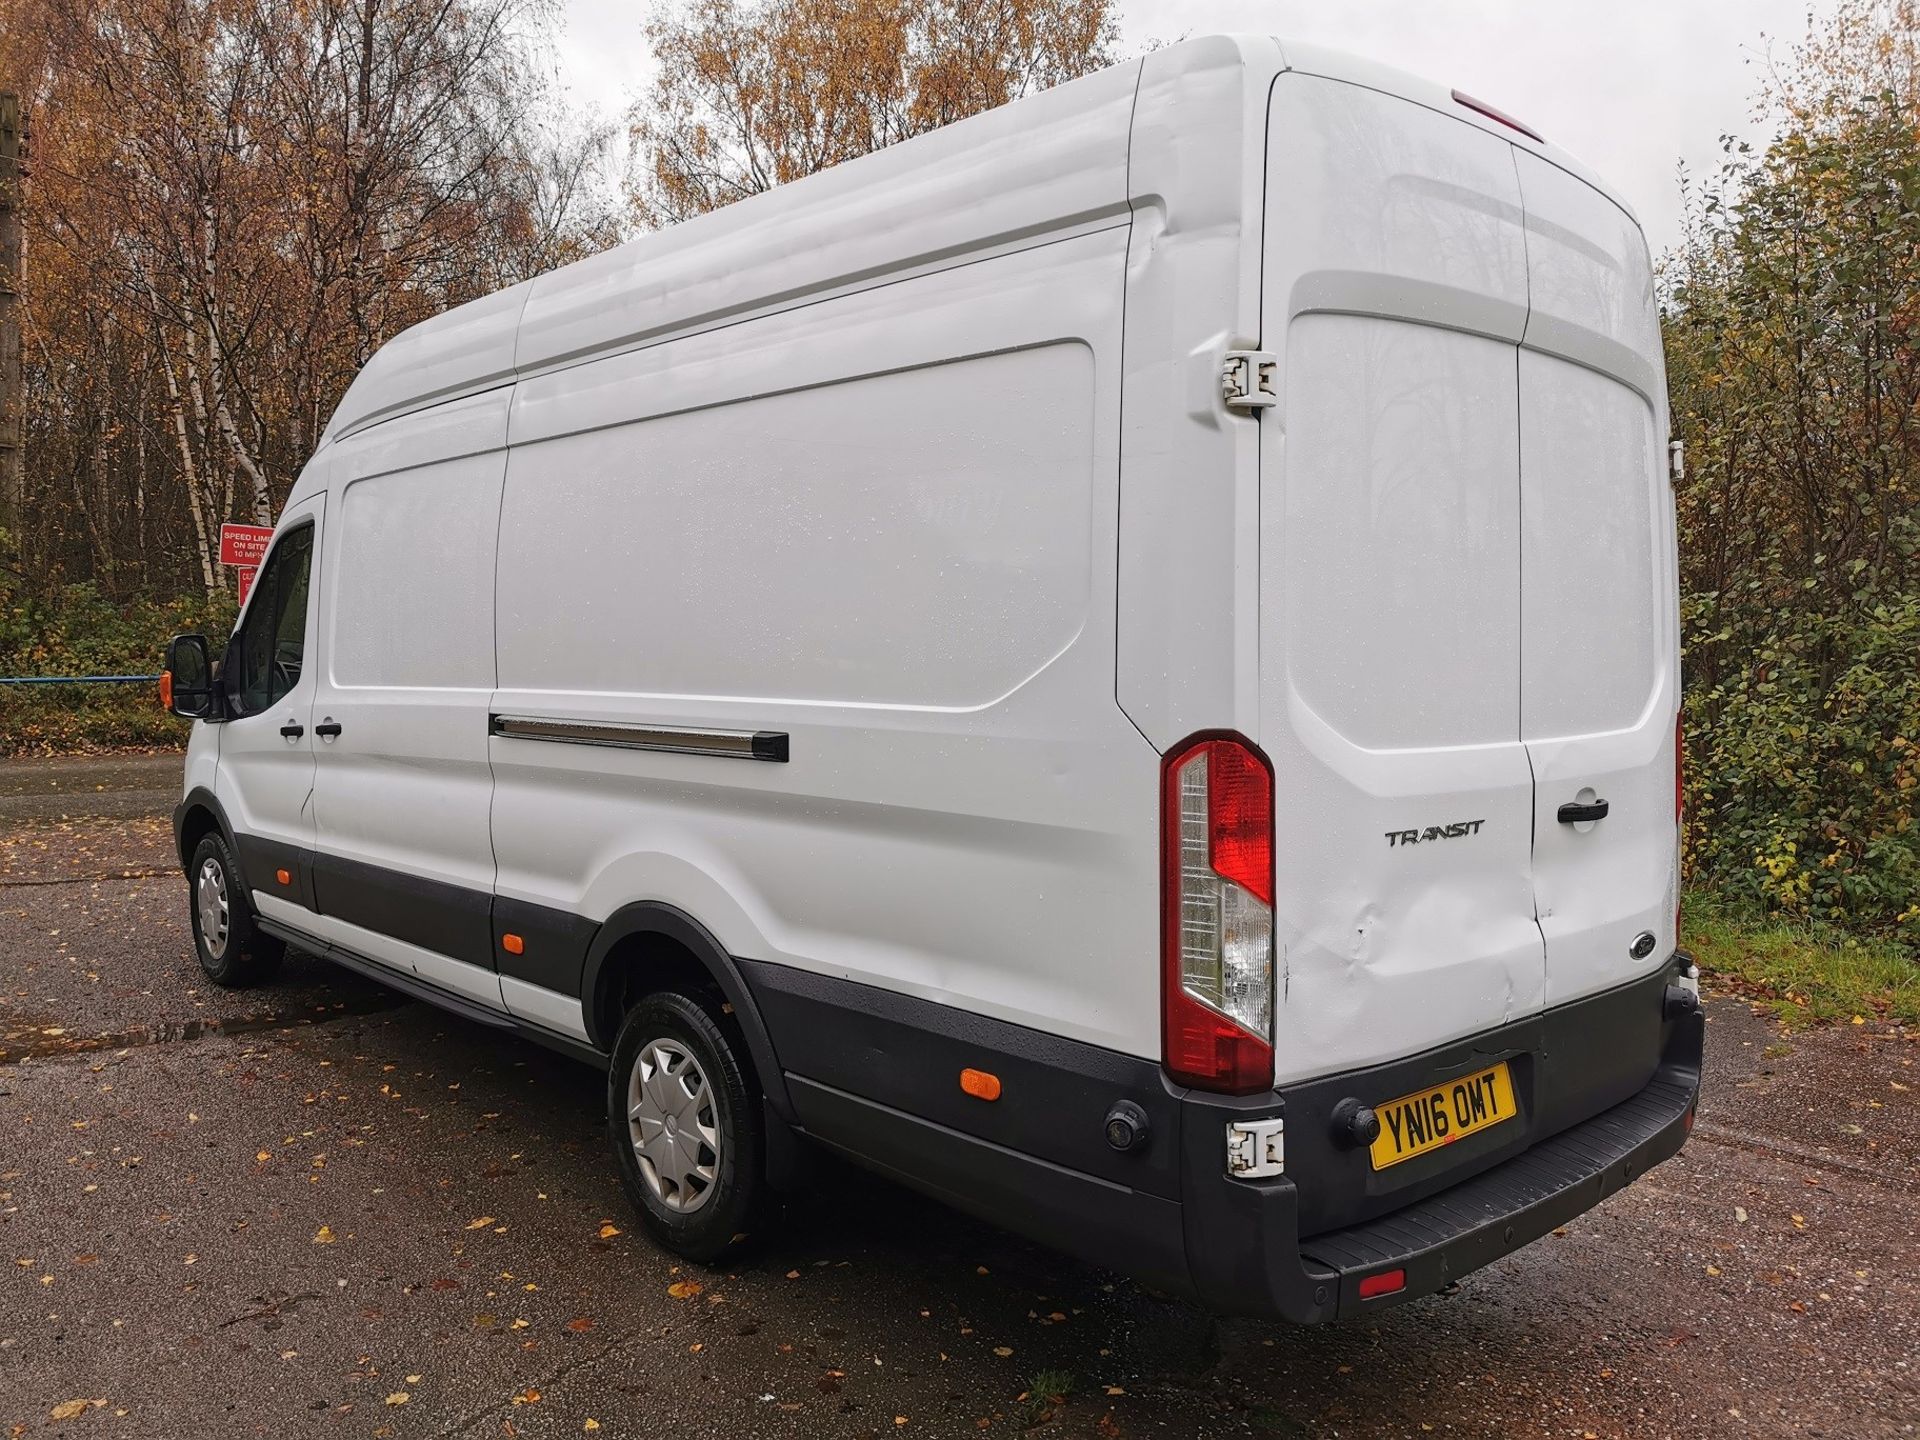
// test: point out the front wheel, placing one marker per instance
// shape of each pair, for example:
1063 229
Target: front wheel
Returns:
683 1115
233 950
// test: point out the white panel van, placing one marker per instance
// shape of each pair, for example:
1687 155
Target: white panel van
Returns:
1116 663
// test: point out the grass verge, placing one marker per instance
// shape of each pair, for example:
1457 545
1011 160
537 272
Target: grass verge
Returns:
1804 973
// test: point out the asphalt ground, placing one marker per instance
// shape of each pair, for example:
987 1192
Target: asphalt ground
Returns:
320 1208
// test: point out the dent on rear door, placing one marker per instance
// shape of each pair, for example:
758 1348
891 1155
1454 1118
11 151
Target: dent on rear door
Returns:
1390 629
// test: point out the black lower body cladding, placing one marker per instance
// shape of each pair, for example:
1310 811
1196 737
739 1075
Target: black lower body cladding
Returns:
1604 1088
1601 1089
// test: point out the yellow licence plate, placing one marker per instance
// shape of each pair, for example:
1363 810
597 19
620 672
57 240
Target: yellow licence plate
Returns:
1416 1124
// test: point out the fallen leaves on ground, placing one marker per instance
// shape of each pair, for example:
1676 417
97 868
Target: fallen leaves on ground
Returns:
323 1236
685 1289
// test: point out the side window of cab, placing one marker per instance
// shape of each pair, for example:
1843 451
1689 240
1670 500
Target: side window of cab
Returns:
268 651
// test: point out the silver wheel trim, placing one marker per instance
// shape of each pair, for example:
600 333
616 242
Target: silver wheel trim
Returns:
670 1116
210 896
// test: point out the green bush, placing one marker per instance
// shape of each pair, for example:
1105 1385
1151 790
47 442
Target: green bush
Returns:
75 631
1803 768
1791 311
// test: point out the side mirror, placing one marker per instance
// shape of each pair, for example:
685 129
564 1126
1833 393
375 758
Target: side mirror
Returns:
187 686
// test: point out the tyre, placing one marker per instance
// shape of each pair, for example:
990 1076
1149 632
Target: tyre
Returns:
684 1118
233 950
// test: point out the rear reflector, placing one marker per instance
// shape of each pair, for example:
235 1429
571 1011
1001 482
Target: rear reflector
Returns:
1387 1282
1216 852
1480 107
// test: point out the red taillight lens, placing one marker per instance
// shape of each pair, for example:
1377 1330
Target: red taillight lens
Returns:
1217 916
1387 1282
1240 817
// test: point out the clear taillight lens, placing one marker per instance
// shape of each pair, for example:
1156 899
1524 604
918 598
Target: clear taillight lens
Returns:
1217 955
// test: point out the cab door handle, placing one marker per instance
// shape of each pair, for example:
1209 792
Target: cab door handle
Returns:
293 730
1574 813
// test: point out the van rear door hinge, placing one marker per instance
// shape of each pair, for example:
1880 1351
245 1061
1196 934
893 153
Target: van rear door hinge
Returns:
1246 381
1257 1149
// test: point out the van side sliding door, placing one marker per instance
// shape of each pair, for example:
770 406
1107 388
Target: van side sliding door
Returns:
403 865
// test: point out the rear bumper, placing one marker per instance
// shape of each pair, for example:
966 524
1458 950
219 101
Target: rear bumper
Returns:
1605 1086
1436 1240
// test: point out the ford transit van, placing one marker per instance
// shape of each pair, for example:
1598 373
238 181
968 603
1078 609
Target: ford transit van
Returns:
1116 663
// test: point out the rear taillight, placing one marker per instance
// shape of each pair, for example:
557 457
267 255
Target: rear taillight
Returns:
1216 852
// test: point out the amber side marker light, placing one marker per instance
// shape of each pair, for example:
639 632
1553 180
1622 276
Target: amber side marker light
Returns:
1387 1282
285 877
980 1085
513 944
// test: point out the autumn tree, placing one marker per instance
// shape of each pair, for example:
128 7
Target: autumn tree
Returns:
1793 345
233 203
748 94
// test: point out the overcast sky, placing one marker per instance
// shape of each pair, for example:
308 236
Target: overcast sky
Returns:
1632 87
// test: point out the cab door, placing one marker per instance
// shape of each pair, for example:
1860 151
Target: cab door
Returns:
265 775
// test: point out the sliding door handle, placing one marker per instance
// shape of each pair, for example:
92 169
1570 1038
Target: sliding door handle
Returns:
1577 814
327 729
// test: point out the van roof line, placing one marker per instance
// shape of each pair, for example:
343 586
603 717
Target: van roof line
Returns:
1050 164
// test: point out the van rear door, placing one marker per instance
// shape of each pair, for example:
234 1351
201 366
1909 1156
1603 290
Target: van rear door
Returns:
1391 635
1599 643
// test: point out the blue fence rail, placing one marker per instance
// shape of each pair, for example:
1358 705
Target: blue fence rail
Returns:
79 679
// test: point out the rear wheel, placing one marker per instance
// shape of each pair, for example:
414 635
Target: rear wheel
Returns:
233 950
683 1115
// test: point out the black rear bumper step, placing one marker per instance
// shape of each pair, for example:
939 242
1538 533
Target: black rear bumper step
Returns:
1479 1220
1605 1084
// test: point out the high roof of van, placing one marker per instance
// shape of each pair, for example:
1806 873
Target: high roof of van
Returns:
1053 163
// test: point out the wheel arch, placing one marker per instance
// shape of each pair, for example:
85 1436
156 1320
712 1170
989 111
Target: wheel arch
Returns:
648 935
194 818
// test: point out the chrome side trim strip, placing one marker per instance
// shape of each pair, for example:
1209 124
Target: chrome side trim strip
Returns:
733 744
